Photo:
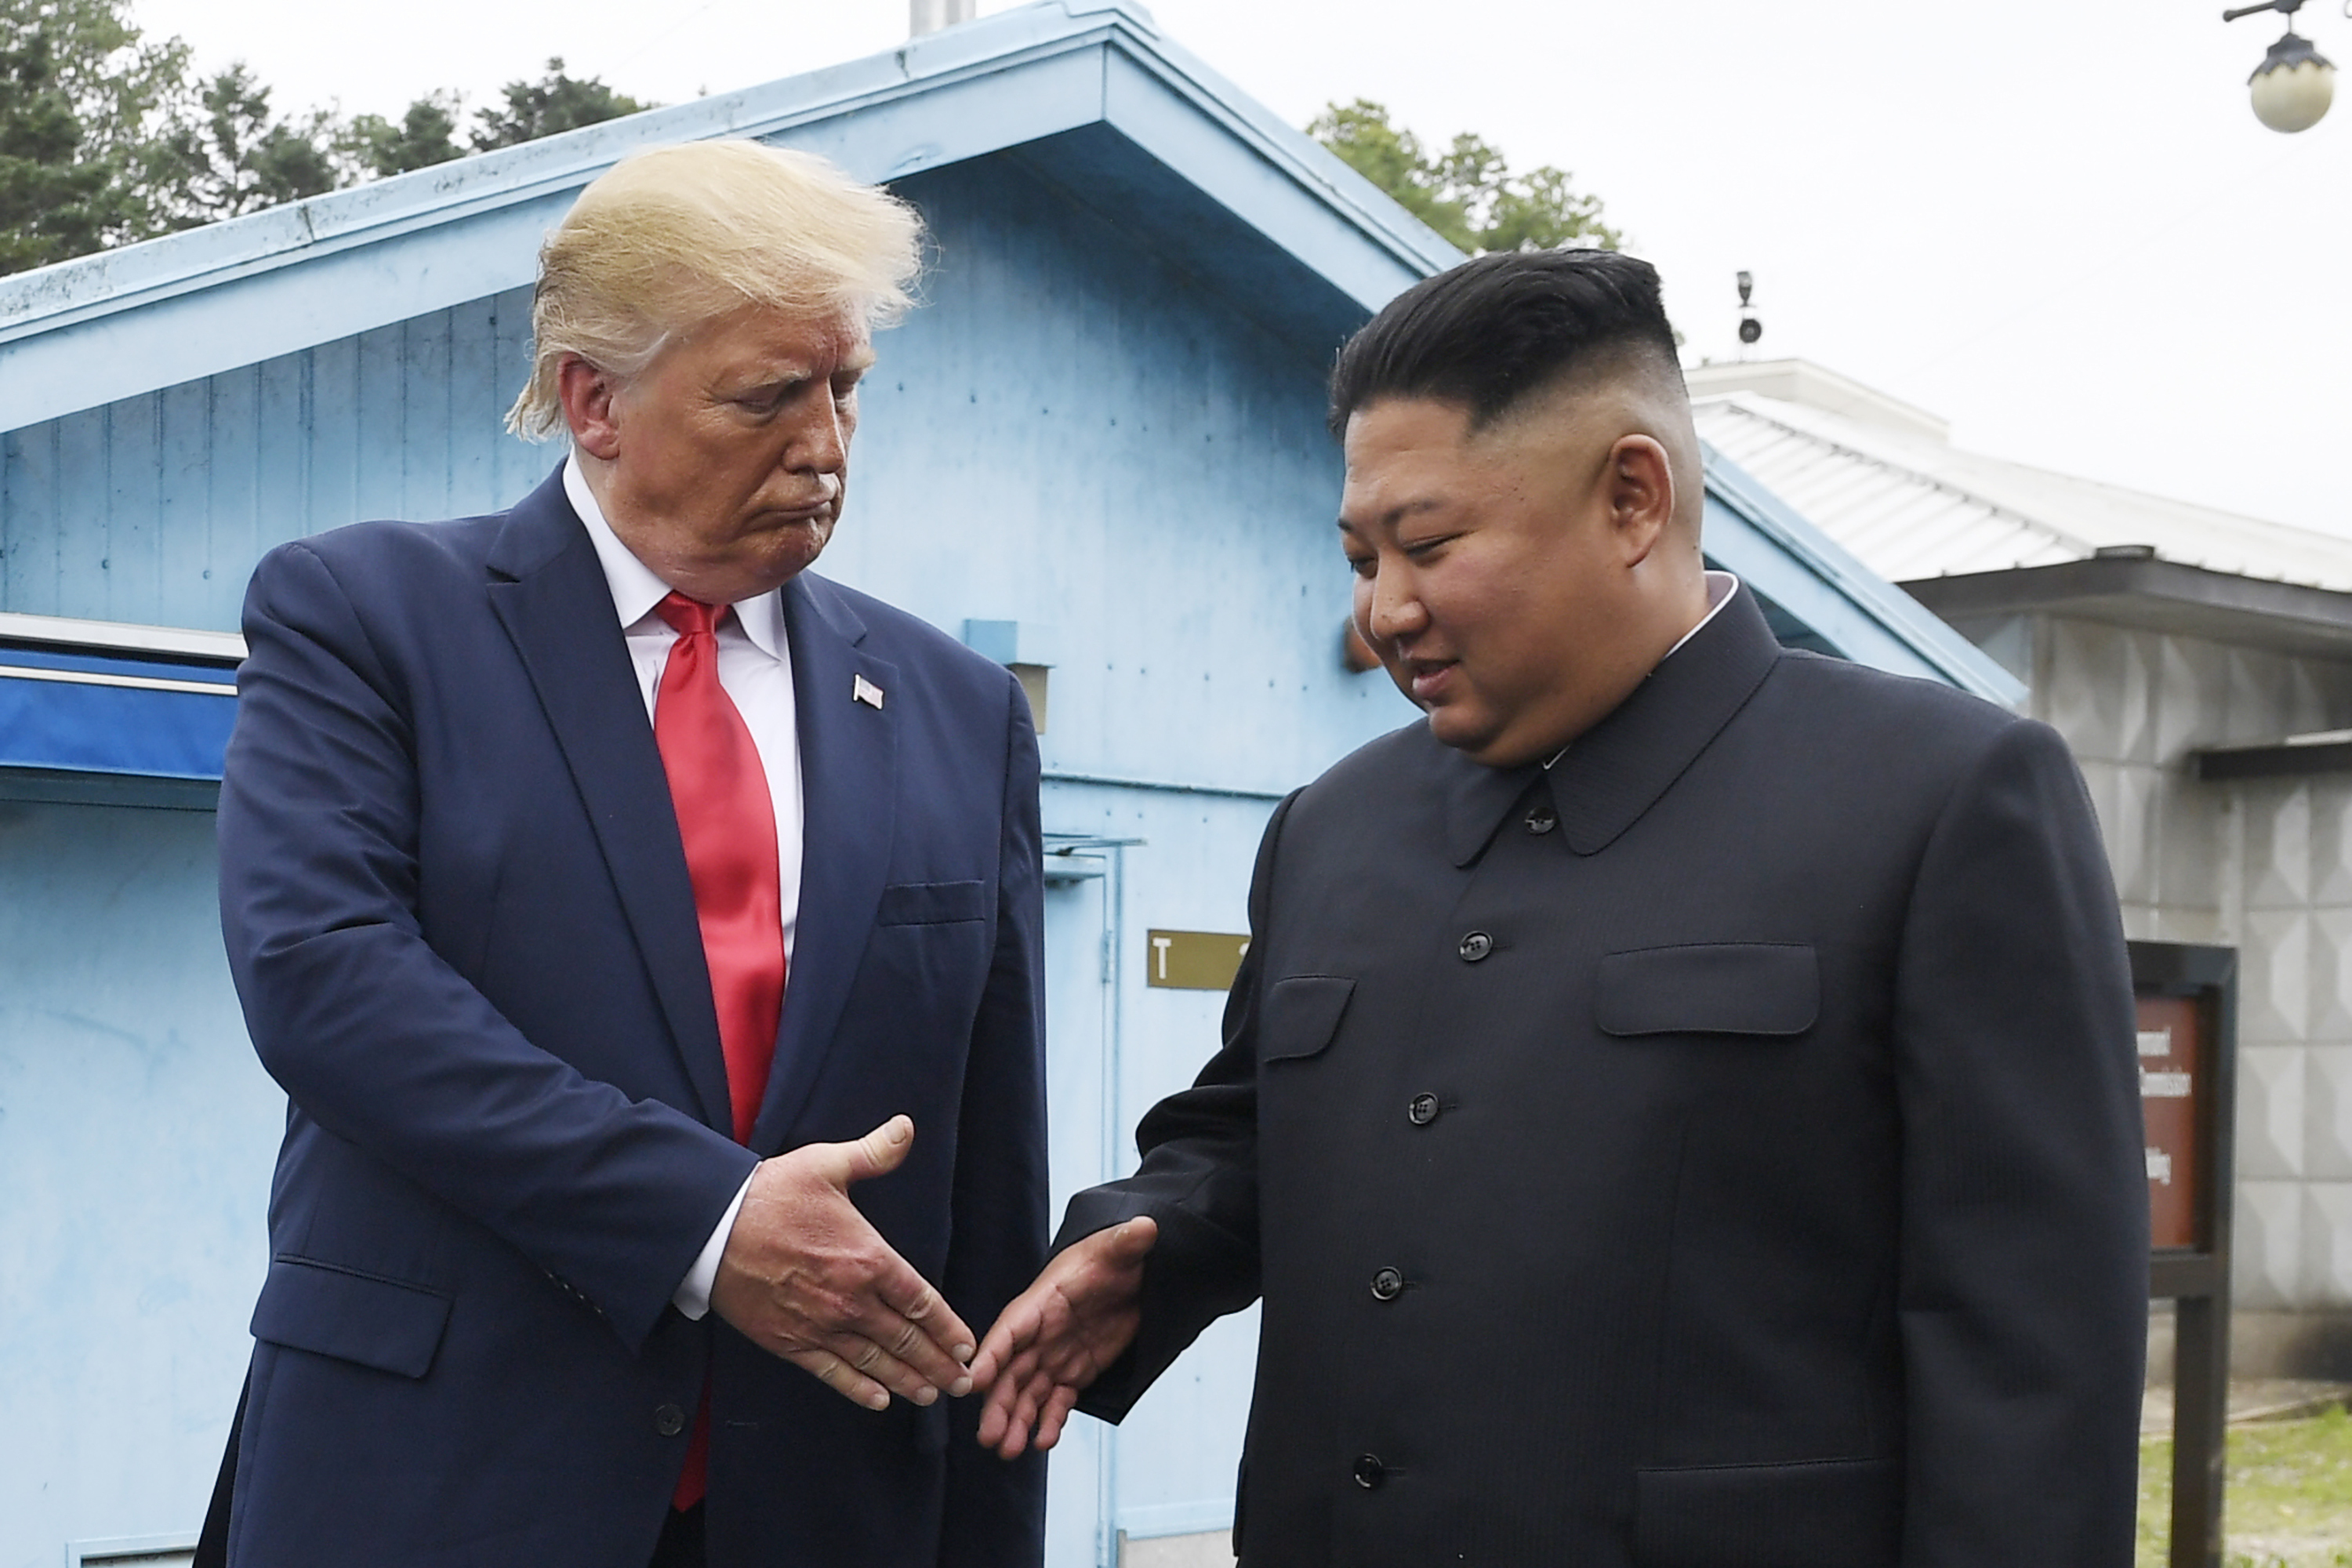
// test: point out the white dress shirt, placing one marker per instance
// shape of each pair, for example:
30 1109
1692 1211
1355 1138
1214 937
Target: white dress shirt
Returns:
755 669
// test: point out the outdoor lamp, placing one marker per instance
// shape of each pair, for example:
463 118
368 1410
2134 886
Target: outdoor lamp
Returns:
2295 84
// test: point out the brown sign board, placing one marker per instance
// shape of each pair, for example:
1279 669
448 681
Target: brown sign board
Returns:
2186 997
1193 960
2174 1075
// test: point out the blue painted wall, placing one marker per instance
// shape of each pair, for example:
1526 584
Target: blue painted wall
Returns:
136 1137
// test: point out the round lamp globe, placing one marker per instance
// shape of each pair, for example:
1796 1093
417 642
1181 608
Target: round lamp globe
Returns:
2293 86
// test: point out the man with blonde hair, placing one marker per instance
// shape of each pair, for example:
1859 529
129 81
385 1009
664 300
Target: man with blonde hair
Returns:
610 893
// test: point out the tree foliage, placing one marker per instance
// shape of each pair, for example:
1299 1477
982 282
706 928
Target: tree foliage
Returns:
1468 191
106 137
427 135
234 156
556 102
51 205
85 105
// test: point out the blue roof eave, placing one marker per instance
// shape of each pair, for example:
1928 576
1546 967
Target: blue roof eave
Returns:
115 325
1752 531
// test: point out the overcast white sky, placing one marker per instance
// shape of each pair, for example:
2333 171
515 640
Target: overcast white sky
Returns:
2053 222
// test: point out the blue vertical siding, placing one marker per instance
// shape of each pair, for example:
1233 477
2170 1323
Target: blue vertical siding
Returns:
154 508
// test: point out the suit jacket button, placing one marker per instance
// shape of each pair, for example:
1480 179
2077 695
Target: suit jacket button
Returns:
669 1420
1371 1472
1422 1110
1475 946
1542 819
1387 1285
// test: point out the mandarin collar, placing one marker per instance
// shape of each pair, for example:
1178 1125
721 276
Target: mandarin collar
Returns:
1617 770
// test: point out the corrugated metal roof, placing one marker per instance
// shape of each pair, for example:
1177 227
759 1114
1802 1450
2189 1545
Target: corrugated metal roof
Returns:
1912 507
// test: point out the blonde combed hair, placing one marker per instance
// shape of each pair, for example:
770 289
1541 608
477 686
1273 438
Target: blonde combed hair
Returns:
673 236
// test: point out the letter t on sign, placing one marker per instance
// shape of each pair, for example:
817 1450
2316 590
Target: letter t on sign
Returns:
1194 960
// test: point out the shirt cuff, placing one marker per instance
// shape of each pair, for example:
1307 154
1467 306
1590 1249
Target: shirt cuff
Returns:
693 1295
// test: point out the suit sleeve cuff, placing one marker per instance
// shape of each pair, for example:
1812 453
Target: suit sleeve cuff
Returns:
693 1295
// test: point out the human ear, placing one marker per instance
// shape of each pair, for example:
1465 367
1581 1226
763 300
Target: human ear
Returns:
587 395
1641 479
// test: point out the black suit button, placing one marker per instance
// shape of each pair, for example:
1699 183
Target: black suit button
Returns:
1475 946
1387 1285
1371 1472
668 1420
1422 1110
1542 819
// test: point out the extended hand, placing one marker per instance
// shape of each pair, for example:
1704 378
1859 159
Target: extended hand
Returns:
1058 1335
805 1276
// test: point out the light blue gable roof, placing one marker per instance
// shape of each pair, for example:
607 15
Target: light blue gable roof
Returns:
106 326
1752 531
1091 88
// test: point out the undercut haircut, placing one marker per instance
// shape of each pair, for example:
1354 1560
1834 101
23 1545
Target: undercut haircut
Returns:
1496 330
672 238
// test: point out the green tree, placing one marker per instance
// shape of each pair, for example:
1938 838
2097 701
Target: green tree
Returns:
53 201
556 102
235 156
427 135
106 137
86 107
1466 193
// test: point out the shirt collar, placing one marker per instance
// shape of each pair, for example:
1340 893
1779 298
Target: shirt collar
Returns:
634 587
1720 586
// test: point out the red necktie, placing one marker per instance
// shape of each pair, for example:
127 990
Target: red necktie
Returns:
728 820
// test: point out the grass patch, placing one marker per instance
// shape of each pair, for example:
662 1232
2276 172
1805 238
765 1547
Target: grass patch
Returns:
2288 1502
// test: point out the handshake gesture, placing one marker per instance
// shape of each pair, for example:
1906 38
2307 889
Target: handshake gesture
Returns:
806 1277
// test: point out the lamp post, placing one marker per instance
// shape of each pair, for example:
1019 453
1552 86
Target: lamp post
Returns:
2295 83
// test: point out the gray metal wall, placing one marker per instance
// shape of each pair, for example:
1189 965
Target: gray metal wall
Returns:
2263 865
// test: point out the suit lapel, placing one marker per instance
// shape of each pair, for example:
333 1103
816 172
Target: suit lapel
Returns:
549 590
849 759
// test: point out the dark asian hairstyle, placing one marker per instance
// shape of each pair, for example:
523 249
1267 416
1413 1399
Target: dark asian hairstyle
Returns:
1496 329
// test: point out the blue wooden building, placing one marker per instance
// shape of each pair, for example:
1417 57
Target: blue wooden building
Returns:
1097 452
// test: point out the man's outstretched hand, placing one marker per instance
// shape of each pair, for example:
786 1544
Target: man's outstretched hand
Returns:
1058 1335
805 1276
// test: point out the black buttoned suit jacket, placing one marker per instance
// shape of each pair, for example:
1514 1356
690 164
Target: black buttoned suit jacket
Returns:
1722 1151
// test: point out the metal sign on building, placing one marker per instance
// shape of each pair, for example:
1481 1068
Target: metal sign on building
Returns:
1193 960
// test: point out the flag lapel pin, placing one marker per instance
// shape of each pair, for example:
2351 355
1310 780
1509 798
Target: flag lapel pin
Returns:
866 691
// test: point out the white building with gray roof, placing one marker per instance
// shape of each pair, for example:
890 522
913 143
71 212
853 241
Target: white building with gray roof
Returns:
2199 663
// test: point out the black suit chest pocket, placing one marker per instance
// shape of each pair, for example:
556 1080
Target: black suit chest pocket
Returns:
1761 989
1301 1015
931 903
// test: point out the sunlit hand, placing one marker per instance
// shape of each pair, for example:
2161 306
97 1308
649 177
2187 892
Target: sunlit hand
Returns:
1058 1335
804 1275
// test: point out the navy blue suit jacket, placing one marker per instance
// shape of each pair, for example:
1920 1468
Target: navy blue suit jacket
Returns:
461 922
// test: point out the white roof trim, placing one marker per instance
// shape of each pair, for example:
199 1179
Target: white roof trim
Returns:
120 637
